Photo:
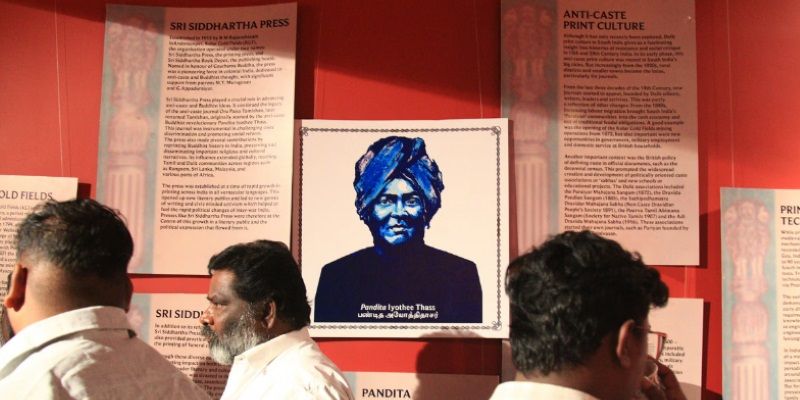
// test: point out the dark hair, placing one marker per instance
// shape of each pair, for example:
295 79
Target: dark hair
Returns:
82 237
266 271
395 157
569 293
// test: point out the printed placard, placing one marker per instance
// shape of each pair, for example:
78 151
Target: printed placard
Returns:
404 227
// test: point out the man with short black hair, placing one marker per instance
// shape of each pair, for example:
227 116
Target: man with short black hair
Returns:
66 304
579 322
256 320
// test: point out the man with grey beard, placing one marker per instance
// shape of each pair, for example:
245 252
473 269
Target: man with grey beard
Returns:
257 320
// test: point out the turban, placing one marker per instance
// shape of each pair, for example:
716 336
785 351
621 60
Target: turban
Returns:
397 157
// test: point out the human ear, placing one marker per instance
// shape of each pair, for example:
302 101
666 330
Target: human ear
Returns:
627 343
16 291
270 314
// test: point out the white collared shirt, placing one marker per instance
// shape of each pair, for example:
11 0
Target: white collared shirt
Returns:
88 353
290 366
532 390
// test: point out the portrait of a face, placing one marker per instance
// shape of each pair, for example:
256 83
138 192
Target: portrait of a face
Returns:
397 215
229 324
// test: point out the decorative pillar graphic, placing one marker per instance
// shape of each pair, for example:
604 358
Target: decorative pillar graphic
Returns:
528 44
747 240
131 52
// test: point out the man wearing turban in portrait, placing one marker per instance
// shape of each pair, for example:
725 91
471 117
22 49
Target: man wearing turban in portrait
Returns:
398 191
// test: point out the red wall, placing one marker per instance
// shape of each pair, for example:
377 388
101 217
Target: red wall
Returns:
419 59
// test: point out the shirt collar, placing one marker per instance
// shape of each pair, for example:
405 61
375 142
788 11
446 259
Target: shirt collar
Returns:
527 389
42 332
265 352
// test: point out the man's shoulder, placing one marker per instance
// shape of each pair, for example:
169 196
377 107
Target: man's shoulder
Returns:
299 349
309 358
101 365
350 261
523 390
301 371
135 364
445 258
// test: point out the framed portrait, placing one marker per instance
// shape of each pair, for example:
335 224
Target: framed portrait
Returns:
404 227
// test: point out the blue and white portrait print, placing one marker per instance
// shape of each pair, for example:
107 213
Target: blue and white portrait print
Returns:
398 190
403 227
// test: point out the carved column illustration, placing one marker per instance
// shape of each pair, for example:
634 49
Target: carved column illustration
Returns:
131 53
528 42
747 241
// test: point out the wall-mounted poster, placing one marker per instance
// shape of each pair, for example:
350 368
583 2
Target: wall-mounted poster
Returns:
196 129
682 321
404 227
405 385
18 196
760 293
603 100
170 323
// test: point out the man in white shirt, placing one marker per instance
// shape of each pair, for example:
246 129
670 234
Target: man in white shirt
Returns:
579 327
66 304
257 320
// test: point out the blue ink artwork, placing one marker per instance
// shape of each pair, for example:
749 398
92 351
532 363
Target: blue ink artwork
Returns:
399 278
